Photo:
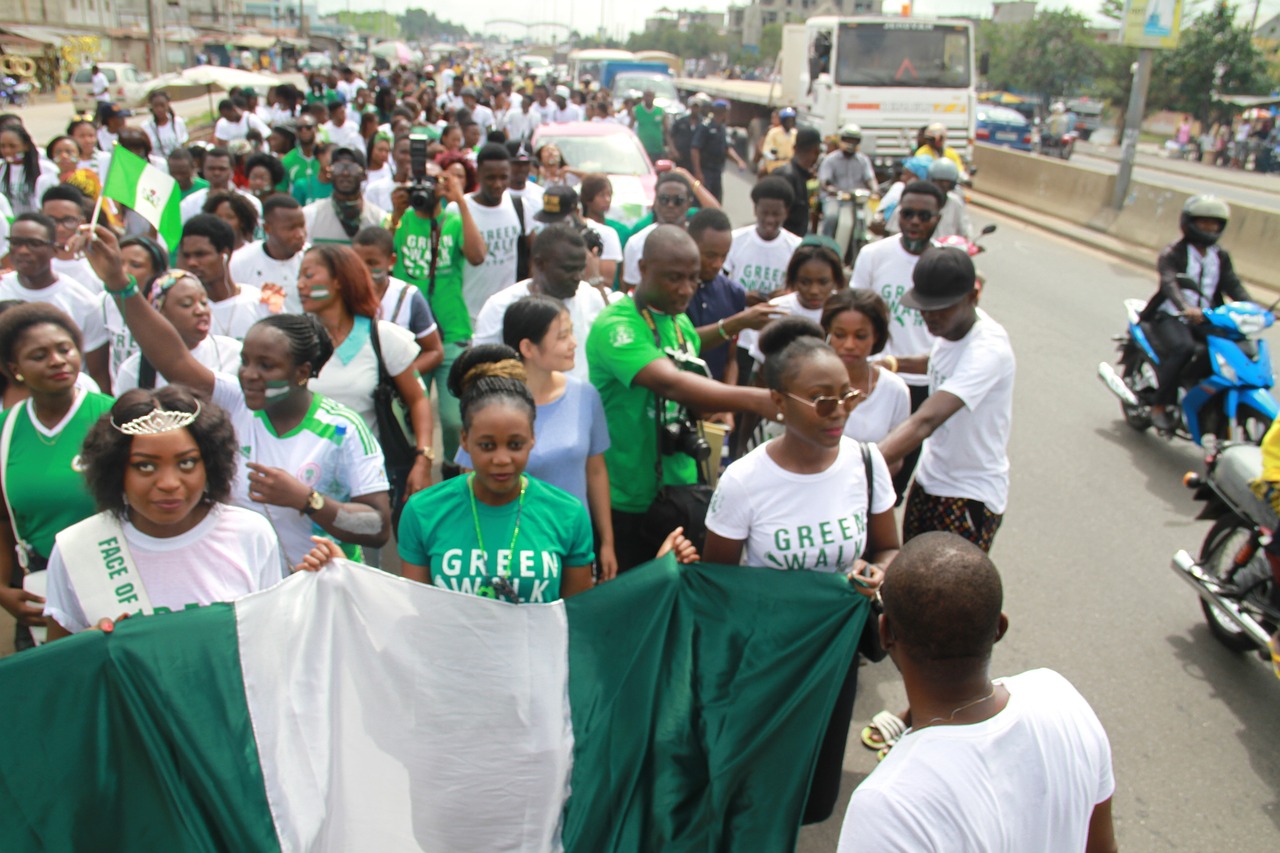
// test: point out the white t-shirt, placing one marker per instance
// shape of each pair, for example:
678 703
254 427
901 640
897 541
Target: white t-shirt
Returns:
346 135
967 456
400 310
229 131
886 267
483 116
519 124
378 193
585 305
749 339
800 521
1026 779
119 338
531 196
331 450
194 203
219 354
632 252
571 112
81 271
758 264
888 405
348 90
351 373
501 229
76 299
234 317
612 249
101 87
253 266
230 553
168 137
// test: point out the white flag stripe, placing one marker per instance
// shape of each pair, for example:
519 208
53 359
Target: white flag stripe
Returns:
488 700
153 191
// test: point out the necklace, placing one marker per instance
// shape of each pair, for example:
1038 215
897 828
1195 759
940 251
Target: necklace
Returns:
952 715
475 516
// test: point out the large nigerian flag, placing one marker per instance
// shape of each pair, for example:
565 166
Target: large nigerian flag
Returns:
672 709
134 182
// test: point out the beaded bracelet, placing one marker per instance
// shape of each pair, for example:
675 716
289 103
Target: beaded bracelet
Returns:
131 290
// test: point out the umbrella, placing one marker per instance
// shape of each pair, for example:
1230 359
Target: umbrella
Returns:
191 81
396 52
1001 98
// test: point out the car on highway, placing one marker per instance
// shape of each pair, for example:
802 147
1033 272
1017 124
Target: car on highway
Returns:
602 146
1003 126
632 84
125 83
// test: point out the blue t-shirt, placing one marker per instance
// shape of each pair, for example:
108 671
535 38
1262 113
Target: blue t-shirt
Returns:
718 299
567 431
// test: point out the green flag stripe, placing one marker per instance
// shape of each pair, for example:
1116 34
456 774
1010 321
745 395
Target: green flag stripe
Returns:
121 184
694 732
138 745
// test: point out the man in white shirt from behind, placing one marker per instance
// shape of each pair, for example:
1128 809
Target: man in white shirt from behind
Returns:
558 261
1012 764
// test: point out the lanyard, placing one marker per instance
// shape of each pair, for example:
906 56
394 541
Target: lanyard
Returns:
653 327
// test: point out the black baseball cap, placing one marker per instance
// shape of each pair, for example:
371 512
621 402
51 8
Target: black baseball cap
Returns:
519 153
557 203
943 277
354 155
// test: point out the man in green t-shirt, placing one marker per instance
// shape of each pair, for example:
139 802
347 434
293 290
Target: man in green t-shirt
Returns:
457 238
182 168
631 353
302 162
651 126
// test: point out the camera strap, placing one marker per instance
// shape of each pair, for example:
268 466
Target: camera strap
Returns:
435 255
660 402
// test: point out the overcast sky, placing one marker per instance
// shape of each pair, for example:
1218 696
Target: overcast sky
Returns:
585 15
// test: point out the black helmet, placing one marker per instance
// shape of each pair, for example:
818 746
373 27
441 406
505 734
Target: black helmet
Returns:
1203 207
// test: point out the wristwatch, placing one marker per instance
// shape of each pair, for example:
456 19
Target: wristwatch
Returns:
315 503
426 452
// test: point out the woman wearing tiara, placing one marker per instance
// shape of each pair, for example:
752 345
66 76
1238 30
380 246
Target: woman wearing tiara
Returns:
160 466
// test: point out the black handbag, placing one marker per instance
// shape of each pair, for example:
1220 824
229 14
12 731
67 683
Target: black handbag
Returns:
395 431
869 644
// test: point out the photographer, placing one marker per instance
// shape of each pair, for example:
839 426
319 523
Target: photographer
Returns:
431 246
643 350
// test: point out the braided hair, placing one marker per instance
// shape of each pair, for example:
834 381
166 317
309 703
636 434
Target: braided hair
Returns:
487 374
309 343
787 342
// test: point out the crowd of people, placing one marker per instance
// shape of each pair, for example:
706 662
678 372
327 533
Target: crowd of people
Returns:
187 423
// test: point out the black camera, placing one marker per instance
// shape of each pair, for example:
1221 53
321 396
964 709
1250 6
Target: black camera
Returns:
683 437
595 243
423 195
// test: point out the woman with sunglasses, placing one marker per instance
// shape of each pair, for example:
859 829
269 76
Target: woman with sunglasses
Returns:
802 501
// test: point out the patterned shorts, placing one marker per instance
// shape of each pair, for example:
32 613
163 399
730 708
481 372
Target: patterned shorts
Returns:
962 516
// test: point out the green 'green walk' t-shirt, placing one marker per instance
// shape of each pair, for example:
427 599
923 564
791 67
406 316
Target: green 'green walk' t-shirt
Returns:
438 530
47 492
619 346
298 168
413 263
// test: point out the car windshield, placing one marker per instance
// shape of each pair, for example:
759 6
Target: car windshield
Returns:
902 54
634 85
615 154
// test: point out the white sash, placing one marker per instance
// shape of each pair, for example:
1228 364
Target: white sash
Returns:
101 569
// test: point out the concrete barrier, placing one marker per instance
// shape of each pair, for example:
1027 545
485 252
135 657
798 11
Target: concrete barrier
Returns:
1150 215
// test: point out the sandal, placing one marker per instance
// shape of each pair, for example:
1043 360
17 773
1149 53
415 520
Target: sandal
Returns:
884 731
882 752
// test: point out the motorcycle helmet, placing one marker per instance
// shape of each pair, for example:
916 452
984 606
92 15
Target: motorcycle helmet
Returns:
937 132
918 166
1203 207
786 112
1058 107
851 131
944 169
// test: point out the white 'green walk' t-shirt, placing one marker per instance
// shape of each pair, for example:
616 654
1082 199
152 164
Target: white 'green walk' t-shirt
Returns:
331 450
438 530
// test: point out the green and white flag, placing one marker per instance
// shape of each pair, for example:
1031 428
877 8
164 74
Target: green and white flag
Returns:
137 184
672 709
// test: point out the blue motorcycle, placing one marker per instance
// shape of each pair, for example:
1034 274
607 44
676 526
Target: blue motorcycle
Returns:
1225 389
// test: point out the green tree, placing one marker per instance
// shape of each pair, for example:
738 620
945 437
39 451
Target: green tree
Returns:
1052 55
770 41
1213 55
421 25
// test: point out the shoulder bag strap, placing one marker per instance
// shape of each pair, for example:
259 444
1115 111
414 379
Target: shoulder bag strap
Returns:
436 229
6 438
383 375
395 312
871 489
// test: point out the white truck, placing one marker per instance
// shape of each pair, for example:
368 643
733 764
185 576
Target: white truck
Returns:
891 75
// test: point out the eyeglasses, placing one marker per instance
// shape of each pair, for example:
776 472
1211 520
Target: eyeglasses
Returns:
674 200
28 243
825 407
69 222
912 213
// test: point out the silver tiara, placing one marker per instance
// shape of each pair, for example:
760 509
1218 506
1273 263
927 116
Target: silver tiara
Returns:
158 420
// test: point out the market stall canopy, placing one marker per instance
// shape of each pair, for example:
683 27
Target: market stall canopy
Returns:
396 52
196 81
1246 101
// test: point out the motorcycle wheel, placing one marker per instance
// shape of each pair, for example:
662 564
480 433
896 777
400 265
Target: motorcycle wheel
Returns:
1251 425
1217 555
1137 418
1066 151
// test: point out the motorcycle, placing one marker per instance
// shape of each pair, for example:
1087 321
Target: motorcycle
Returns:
971 247
1236 576
851 223
1057 145
1224 390
12 92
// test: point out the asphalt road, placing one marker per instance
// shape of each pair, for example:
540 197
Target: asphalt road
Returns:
1096 512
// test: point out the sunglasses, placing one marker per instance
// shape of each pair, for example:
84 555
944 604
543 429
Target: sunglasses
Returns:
344 166
675 200
825 407
28 243
912 213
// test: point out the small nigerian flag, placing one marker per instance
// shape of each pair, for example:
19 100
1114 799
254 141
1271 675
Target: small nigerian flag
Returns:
140 186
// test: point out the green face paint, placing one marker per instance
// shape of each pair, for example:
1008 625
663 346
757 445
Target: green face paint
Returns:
276 389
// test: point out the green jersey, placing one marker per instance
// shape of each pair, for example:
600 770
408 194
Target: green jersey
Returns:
439 530
298 166
413 264
197 184
649 129
619 346
42 477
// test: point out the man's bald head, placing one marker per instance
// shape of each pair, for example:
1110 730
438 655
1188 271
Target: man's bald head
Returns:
668 239
942 599
669 269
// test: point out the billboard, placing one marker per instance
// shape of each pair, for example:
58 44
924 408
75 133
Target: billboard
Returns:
1151 23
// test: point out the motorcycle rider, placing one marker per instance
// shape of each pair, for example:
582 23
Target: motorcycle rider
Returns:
935 146
1057 125
779 143
1174 310
844 171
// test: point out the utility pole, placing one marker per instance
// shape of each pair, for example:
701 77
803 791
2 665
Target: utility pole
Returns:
155 40
1132 125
